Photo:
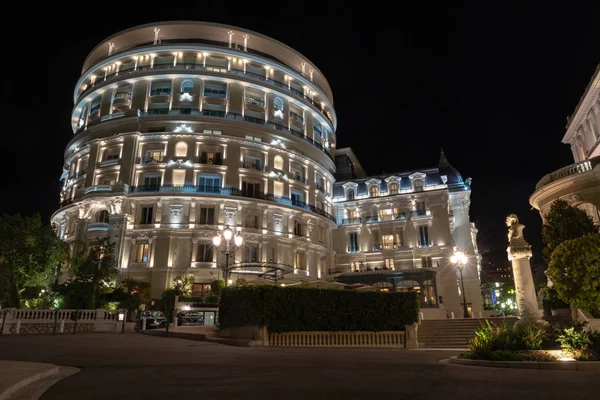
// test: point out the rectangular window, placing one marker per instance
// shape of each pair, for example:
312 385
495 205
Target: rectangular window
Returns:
146 215
152 157
297 198
426 262
250 221
107 180
421 208
423 236
278 189
204 252
301 261
418 186
207 216
112 154
212 132
296 117
178 177
318 131
201 289
215 91
209 184
253 163
388 242
386 214
373 191
250 253
389 263
298 228
353 242
161 88
152 182
321 234
254 138
250 189
141 252
208 157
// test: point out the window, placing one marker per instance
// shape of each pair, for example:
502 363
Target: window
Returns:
187 87
389 263
201 289
386 214
250 253
161 88
317 130
350 194
153 156
353 242
278 162
207 216
297 175
278 104
426 262
254 138
102 216
278 189
204 253
178 177
112 154
211 157
296 117
253 163
297 228
255 97
215 91
393 188
181 149
301 260
297 197
423 236
212 132
152 182
321 234
141 252
209 183
250 220
373 191
421 208
251 189
146 215
419 185
107 180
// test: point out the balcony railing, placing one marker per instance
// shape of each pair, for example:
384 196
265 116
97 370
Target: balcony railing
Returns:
254 165
108 162
152 160
569 170
298 178
350 221
123 95
372 218
234 116
421 213
385 246
210 68
230 191
98 226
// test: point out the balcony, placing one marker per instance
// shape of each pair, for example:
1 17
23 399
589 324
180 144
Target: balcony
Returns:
569 170
230 191
98 226
351 221
386 246
121 101
320 187
421 214
256 166
140 70
298 178
152 160
108 162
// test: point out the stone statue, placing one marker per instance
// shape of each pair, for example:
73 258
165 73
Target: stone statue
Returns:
519 252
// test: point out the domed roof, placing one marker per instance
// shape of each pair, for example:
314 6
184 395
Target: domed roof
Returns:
445 168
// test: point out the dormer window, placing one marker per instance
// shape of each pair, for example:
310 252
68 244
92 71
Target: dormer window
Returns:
418 186
350 190
418 181
393 188
350 194
373 191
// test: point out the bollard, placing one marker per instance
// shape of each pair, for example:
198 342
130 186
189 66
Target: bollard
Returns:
421 315
452 314
17 327
61 328
143 324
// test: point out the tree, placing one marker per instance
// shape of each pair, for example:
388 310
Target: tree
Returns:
564 222
96 272
575 271
183 284
136 292
30 257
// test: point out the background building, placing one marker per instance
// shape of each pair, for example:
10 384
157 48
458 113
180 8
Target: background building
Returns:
578 183
183 128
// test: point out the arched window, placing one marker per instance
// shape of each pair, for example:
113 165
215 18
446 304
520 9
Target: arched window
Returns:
393 188
350 194
278 162
181 149
373 191
102 216
278 104
187 86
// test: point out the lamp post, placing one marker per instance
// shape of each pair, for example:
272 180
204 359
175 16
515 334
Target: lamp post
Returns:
460 259
227 243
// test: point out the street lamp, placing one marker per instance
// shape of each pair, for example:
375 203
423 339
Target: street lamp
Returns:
460 259
223 243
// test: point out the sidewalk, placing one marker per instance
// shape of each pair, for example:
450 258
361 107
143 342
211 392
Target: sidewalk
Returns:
15 375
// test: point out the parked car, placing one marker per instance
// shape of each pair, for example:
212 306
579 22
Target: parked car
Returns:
190 318
154 319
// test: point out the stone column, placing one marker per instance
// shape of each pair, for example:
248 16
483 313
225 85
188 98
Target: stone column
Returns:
118 226
519 252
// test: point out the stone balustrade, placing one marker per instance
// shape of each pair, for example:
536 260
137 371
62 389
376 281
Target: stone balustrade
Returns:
23 321
338 339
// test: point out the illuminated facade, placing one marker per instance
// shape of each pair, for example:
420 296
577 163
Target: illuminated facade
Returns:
578 183
398 232
182 128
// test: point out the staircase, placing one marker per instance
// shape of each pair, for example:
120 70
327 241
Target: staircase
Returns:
453 333
564 321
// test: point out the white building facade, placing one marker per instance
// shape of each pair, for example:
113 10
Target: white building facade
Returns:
578 183
184 128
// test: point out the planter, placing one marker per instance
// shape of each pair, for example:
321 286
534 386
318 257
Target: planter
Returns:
561 312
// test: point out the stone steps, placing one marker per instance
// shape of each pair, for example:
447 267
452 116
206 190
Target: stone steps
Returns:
453 333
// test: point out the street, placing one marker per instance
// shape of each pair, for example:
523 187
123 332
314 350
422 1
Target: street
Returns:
136 366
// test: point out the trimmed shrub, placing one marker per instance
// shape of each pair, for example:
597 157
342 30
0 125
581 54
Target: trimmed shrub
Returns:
305 309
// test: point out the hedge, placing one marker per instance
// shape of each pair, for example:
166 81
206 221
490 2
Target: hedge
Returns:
291 309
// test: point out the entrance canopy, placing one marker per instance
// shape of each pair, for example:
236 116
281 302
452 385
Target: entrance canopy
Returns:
264 270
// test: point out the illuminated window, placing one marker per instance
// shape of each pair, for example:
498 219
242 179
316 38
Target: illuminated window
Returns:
153 156
393 188
141 252
211 157
278 162
212 132
373 191
389 263
181 149
278 189
178 177
426 262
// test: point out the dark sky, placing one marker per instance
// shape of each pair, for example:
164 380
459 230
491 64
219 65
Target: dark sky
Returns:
492 86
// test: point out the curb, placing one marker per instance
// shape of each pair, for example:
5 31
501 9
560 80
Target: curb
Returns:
54 369
178 335
551 365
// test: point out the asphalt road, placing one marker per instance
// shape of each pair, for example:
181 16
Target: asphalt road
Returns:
136 366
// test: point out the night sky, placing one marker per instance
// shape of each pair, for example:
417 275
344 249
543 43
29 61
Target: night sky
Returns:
492 87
